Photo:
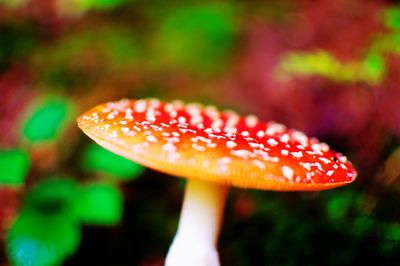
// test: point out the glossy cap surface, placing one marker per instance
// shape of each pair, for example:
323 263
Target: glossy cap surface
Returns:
195 141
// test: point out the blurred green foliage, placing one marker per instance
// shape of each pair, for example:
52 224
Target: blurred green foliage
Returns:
392 231
97 159
198 37
41 240
17 41
392 17
100 4
338 206
46 120
47 229
322 63
13 3
54 196
100 203
77 60
14 166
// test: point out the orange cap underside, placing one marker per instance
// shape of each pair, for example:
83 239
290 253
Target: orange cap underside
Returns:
195 142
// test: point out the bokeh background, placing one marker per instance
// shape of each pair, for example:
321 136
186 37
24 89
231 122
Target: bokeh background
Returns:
328 68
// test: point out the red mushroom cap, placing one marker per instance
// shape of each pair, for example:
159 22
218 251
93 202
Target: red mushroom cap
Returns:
193 141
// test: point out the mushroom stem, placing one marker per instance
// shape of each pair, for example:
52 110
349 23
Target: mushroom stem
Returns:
199 225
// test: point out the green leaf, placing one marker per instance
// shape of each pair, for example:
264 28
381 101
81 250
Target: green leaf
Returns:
100 204
37 240
97 159
46 120
53 197
14 165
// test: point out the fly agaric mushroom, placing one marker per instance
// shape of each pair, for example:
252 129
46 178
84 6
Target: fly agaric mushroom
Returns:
213 150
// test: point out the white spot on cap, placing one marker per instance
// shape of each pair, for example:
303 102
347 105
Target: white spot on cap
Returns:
195 120
224 160
329 173
222 164
274 128
254 144
270 158
113 135
193 109
300 137
287 172
259 164
168 107
231 144
318 165
306 166
173 113
211 112
230 130
181 120
155 103
285 152
112 115
297 154
173 140
209 130
125 130
128 114
343 159
198 147
324 147
217 124
325 160
233 119
244 154
308 176
245 133
284 138
151 138
150 115
317 148
260 134
211 145
272 142
200 125
169 147
251 120
173 157
140 106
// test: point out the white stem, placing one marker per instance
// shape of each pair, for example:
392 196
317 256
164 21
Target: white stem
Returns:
199 225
